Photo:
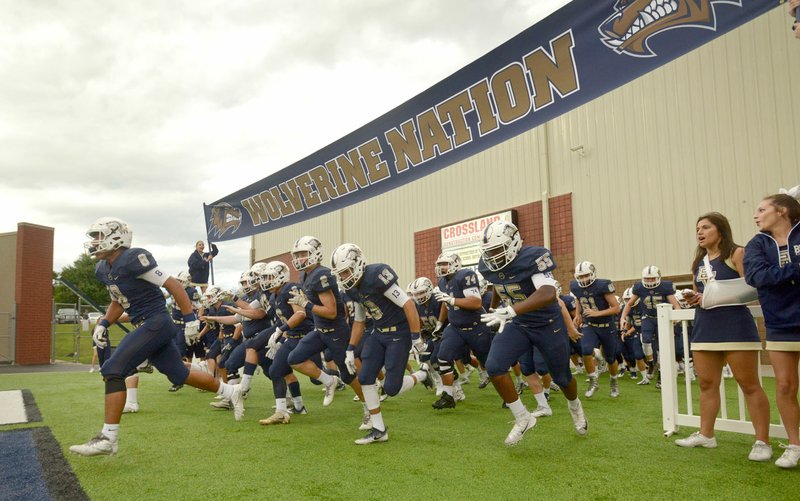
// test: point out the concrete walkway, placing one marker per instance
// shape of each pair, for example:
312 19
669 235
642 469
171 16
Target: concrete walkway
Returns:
58 366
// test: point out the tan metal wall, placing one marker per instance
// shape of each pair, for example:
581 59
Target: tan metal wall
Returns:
714 130
8 265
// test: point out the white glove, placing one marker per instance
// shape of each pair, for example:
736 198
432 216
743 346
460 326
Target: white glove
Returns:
100 335
191 330
443 297
273 339
499 317
419 346
437 331
298 297
350 361
272 351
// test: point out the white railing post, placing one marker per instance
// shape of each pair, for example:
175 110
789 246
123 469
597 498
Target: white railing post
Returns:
669 376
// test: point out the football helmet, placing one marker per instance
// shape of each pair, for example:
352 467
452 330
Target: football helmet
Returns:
312 247
211 296
628 294
347 264
248 282
420 290
447 264
108 234
585 274
651 277
184 278
276 274
500 244
483 284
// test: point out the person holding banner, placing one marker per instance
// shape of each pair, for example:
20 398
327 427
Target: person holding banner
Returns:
772 266
199 264
725 333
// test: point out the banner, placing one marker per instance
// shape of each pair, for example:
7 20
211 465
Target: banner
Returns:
578 53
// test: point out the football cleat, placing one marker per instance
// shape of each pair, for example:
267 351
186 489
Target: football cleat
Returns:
97 446
280 417
445 402
130 408
237 399
519 429
645 380
614 388
301 410
330 392
593 386
366 422
579 419
458 393
484 379
375 435
554 387
175 387
222 404
542 411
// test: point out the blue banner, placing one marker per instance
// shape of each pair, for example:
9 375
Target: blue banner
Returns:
576 54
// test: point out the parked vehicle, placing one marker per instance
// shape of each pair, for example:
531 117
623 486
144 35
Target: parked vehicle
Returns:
67 316
93 317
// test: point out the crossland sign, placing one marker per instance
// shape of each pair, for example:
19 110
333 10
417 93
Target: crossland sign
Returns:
470 232
580 52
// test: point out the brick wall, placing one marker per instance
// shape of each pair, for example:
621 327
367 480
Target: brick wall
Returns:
428 245
34 293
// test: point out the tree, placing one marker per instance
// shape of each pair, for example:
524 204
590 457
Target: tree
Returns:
81 273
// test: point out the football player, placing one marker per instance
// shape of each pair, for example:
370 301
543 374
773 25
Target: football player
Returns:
294 325
396 327
632 341
597 313
134 279
428 308
319 297
652 291
460 297
522 277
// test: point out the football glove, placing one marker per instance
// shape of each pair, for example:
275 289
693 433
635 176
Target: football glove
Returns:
272 351
191 329
298 297
499 317
350 361
273 339
443 297
100 334
419 346
437 331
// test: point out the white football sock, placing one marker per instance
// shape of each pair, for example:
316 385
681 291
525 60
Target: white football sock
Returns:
111 431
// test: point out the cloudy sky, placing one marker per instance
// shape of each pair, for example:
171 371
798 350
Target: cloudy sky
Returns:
144 110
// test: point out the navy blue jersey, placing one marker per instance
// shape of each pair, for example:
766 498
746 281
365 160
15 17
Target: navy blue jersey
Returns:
252 326
429 315
514 283
317 281
194 297
139 298
460 281
213 311
569 301
377 279
651 298
283 310
227 330
720 270
635 315
593 297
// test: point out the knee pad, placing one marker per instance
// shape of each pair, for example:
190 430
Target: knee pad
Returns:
115 384
444 367
648 349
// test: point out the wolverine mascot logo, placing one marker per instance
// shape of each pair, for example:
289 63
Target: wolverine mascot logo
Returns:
629 29
224 217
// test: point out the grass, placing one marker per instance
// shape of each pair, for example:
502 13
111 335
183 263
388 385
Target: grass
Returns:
177 447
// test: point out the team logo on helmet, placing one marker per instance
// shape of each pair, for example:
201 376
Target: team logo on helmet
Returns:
629 28
224 217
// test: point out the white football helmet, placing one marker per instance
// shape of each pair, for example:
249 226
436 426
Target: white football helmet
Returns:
628 294
313 248
184 278
276 274
211 296
500 244
247 282
420 290
447 264
585 274
108 234
347 264
558 288
651 277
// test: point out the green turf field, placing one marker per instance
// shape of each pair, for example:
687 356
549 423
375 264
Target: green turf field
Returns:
178 447
75 345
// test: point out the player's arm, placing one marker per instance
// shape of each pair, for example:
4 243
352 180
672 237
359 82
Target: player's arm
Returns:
627 311
470 301
572 332
237 331
613 306
671 299
113 313
328 307
544 294
226 320
443 313
297 317
253 310
359 321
